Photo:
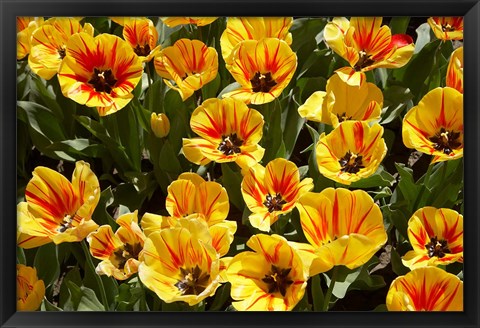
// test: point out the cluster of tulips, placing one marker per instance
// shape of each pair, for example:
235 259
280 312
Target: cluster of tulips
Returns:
190 251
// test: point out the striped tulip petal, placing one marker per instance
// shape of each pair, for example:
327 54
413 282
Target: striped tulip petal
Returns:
426 289
199 21
30 290
447 28
455 70
25 27
142 36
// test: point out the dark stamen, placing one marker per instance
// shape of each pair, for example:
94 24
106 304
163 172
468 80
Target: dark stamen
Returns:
446 141
122 254
193 282
277 280
142 50
230 144
343 117
67 223
274 203
364 60
62 52
448 28
103 81
262 82
351 163
437 247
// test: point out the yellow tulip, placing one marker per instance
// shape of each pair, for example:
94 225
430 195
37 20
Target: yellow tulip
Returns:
187 66
229 132
436 236
199 21
142 36
160 124
435 125
447 28
119 252
271 278
25 27
352 151
57 208
272 191
344 227
343 102
30 290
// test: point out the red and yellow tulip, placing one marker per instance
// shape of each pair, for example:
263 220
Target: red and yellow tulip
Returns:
25 27
366 45
352 151
179 264
455 70
229 132
263 69
120 252
199 21
254 28
99 72
435 125
271 278
49 44
30 290
272 191
343 102
142 36
426 289
447 28
436 236
344 227
57 208
187 66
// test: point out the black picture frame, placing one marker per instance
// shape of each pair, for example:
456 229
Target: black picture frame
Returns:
9 9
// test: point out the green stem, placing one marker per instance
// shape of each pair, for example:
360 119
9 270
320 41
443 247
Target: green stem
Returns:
147 69
317 293
422 190
328 295
143 299
88 257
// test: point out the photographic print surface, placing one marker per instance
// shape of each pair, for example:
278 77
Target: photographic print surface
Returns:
240 164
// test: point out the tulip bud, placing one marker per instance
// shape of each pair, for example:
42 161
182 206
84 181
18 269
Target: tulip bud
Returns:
160 124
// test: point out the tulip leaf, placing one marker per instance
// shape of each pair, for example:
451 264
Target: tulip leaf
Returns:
231 180
82 299
221 297
211 88
398 25
101 215
317 293
47 306
397 218
293 123
397 265
406 186
46 263
168 159
381 178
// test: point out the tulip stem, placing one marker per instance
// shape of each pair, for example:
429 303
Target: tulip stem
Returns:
328 295
147 68
88 257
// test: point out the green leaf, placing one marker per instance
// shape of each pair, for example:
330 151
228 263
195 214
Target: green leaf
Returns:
82 299
317 293
398 25
273 135
46 263
406 185
47 306
381 178
231 180
168 159
101 215
396 217
397 265
221 296
293 124
210 89
21 259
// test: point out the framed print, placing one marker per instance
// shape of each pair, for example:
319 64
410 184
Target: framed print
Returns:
174 163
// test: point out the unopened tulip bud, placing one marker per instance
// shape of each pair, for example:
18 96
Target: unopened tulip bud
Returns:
160 124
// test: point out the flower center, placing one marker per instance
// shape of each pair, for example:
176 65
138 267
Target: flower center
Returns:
62 51
274 203
437 247
230 144
67 223
193 282
351 163
103 81
277 280
364 60
446 141
122 254
262 82
343 117
447 28
142 50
